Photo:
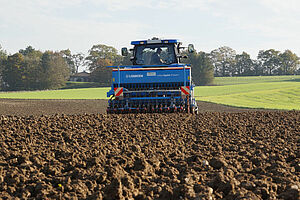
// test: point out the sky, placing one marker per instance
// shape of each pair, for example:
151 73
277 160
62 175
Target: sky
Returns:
243 25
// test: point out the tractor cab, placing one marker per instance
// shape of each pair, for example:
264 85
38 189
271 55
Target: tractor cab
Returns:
156 52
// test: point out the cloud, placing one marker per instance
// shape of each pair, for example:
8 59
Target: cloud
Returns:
288 7
78 24
268 18
54 3
118 5
33 25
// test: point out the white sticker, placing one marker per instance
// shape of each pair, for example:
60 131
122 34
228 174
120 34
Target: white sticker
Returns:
151 73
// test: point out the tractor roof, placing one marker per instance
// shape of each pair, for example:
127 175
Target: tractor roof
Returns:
155 41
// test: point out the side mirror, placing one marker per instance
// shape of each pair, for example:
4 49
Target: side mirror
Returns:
124 51
191 48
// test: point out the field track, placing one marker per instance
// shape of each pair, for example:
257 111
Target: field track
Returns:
50 149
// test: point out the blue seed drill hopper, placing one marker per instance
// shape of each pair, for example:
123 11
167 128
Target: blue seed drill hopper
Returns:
156 82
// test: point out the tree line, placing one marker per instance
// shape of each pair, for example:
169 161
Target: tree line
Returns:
31 69
268 62
205 66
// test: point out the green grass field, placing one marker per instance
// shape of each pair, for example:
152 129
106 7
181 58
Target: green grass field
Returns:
84 93
273 92
77 85
268 92
254 79
271 95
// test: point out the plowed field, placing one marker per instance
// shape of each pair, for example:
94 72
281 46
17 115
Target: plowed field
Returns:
213 155
50 107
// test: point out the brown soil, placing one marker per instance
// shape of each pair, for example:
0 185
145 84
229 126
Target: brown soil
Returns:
213 155
51 107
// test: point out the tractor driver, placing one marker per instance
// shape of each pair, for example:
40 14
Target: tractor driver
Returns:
155 59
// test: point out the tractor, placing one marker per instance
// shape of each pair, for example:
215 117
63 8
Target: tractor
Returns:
156 82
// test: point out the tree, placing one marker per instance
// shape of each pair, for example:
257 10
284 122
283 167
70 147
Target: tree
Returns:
3 58
202 67
35 70
54 70
75 61
101 74
31 52
269 60
32 71
99 57
223 60
27 51
20 70
102 51
78 60
243 65
3 54
67 55
32 59
257 68
13 74
289 63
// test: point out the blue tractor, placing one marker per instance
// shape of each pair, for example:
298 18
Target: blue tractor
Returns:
156 82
